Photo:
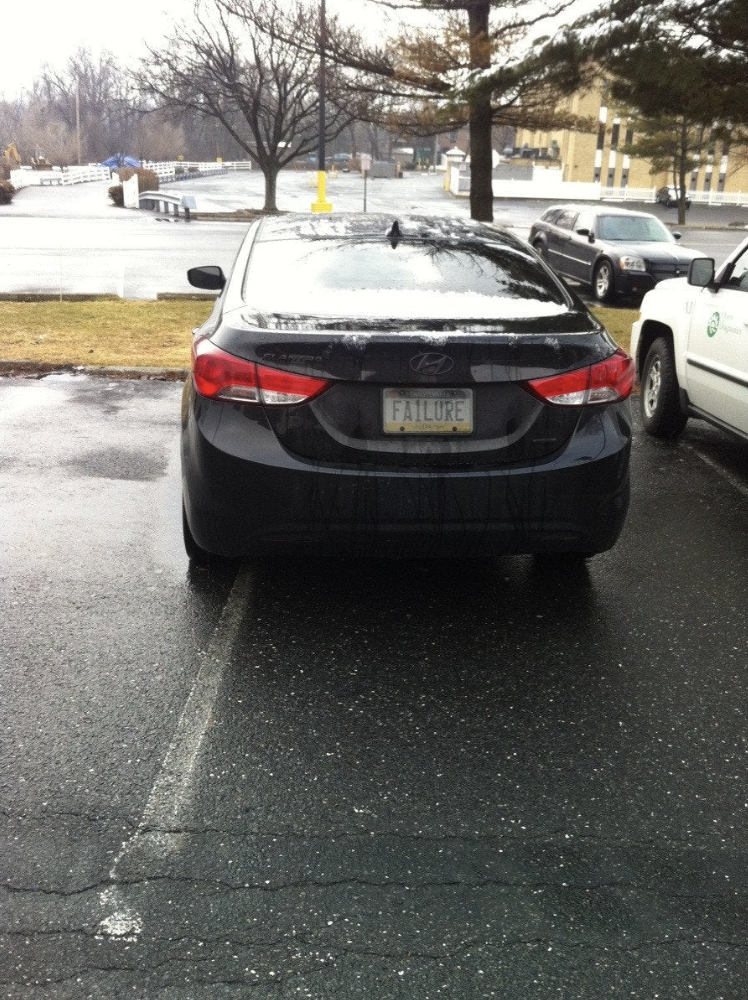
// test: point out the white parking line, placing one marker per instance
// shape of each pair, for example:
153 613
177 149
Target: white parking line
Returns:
725 473
173 783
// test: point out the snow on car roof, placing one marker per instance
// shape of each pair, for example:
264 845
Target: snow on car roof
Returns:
351 225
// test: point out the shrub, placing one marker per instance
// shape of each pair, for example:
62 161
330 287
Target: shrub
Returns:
178 171
193 170
117 195
147 179
6 192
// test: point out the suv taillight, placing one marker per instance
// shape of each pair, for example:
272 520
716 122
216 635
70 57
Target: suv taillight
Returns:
608 381
219 375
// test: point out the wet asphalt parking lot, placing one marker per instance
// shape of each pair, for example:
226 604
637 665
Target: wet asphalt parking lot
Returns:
347 780
343 780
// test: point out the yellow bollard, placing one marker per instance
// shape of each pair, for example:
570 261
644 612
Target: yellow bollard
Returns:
321 204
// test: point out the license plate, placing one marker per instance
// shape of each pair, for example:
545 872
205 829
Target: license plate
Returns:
427 411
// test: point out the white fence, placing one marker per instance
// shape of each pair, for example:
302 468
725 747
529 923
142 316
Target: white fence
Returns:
719 197
628 194
183 170
546 184
167 171
62 176
696 197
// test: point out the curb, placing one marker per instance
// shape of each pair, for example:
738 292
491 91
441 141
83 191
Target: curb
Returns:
102 297
40 369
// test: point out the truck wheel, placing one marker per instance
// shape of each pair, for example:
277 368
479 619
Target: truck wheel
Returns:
661 411
602 282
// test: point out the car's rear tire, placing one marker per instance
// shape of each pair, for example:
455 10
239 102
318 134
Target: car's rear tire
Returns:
603 283
661 411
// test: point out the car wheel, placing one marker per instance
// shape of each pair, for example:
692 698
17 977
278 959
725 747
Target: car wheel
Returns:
602 283
539 248
661 411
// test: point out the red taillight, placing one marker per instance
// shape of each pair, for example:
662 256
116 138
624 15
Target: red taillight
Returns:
219 375
278 387
608 381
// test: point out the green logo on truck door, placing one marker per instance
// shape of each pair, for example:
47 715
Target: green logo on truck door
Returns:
713 325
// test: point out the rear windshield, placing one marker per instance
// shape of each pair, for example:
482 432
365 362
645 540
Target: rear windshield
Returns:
398 279
632 229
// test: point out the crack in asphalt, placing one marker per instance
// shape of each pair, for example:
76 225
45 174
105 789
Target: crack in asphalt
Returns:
560 835
405 955
412 885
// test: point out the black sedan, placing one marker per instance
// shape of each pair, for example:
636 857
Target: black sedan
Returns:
613 251
400 387
668 196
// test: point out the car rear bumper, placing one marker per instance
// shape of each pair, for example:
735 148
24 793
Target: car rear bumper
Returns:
244 493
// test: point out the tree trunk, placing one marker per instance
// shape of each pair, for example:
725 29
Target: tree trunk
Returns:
681 192
481 162
481 118
271 183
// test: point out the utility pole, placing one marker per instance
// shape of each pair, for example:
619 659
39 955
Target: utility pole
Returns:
321 204
78 117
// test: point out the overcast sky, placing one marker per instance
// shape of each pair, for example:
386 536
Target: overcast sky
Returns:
48 31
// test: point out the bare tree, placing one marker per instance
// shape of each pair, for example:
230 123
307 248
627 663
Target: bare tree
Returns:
475 65
90 97
221 66
36 131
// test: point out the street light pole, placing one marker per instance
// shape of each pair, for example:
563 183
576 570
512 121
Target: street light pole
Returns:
321 204
78 118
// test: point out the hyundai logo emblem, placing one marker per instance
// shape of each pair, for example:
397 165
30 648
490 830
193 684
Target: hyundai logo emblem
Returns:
431 364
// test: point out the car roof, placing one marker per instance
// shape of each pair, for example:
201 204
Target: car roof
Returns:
360 225
598 210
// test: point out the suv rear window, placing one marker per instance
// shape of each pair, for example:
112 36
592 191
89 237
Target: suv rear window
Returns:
402 278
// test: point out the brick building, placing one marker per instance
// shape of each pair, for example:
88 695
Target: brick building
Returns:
596 157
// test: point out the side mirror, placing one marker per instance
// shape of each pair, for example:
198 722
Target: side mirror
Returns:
209 276
583 232
677 236
701 272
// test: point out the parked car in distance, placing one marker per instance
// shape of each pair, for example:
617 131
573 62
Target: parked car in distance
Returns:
668 196
401 387
690 344
613 251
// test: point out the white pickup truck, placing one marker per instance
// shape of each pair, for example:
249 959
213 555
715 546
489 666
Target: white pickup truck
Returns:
690 345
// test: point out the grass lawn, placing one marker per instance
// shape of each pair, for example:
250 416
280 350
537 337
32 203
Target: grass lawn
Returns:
134 334
101 332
